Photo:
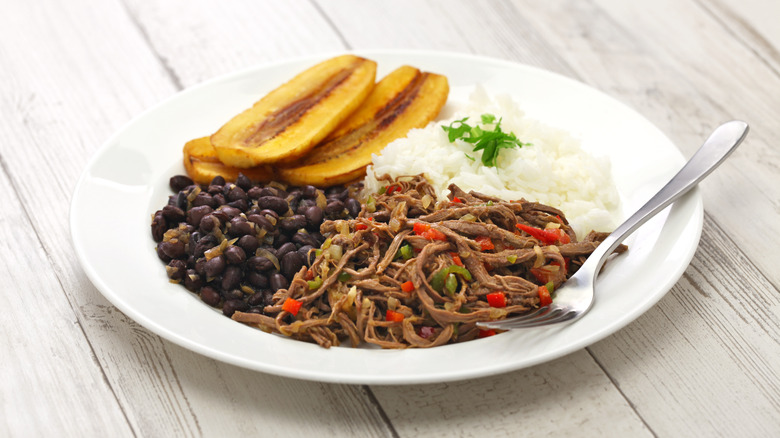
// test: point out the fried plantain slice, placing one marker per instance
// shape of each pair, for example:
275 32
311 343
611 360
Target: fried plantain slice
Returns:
202 164
409 99
290 120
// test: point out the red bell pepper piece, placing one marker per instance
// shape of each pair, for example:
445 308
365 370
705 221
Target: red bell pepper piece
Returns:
394 316
407 286
496 299
361 227
546 236
486 333
456 259
456 199
485 243
544 296
291 305
420 228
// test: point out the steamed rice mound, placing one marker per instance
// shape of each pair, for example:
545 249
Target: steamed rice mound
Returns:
553 170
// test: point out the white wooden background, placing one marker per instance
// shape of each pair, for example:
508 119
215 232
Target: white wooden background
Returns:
705 361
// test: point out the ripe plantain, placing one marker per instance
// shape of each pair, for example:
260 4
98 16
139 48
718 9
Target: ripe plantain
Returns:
405 99
290 120
202 164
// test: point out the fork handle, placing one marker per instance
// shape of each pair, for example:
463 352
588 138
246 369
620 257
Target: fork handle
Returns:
720 144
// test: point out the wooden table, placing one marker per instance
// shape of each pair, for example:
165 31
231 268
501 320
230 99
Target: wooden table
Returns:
705 361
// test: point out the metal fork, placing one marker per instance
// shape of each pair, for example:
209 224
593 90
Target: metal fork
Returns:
575 297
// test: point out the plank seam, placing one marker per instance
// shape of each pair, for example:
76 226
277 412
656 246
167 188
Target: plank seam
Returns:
620 391
93 353
169 71
331 24
380 410
737 37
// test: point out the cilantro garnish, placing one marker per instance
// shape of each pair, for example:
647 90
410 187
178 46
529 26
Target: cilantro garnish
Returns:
490 142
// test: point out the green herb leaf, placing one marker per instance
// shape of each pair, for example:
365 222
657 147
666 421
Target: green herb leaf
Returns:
490 142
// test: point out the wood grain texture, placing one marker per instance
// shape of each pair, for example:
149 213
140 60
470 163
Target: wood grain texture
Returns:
47 383
700 363
63 100
533 402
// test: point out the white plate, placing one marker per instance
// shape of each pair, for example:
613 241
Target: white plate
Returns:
127 181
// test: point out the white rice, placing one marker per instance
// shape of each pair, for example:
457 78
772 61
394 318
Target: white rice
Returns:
554 170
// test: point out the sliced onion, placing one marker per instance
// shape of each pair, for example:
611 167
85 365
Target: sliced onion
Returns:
267 254
468 217
335 252
322 201
427 200
539 256
392 303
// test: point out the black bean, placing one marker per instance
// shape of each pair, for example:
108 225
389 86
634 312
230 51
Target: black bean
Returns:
218 181
241 204
256 299
268 297
235 193
173 214
304 239
248 243
243 181
303 205
261 221
278 281
254 192
195 214
215 190
231 278
266 212
232 306
222 216
204 198
200 266
280 239
208 222
231 212
291 263
215 266
257 279
210 296
292 223
219 198
231 294
178 200
284 249
259 263
162 255
240 227
353 207
267 191
192 281
274 203
176 269
235 255
334 208
159 226
309 192
179 182
191 262
308 253
318 237
314 217
204 244
173 248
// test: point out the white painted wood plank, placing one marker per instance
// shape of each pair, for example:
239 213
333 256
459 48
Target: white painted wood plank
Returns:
50 383
566 397
201 39
703 362
85 71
